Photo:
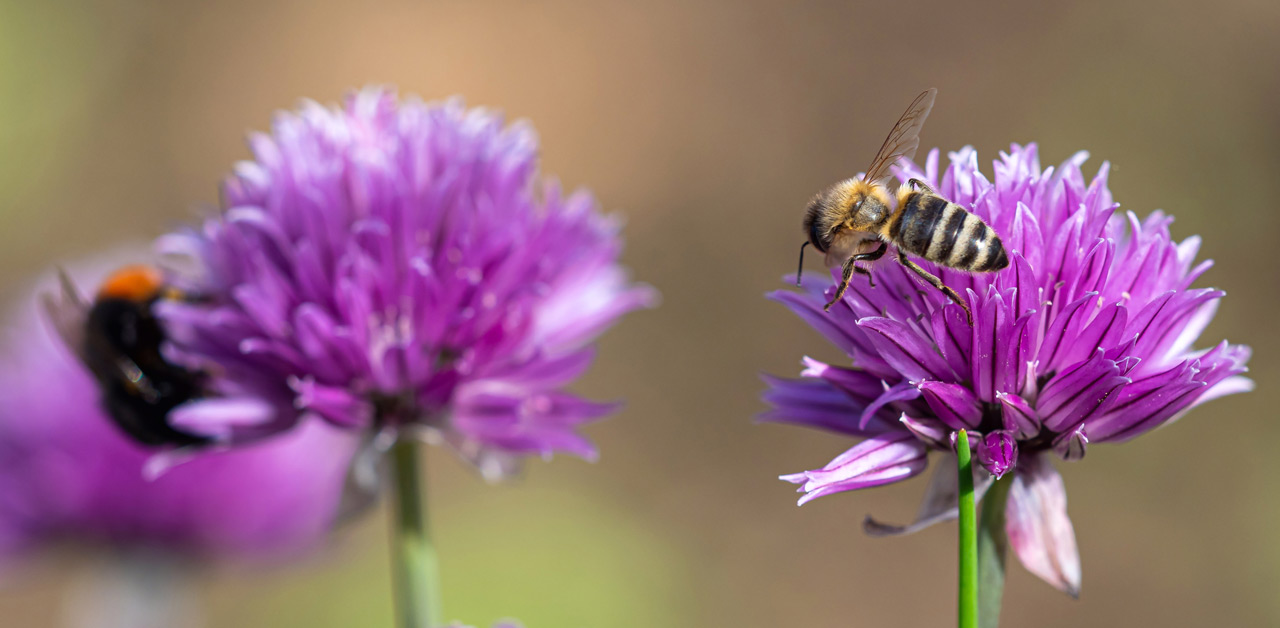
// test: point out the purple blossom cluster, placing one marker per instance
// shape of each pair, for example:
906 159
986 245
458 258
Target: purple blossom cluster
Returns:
1086 338
398 265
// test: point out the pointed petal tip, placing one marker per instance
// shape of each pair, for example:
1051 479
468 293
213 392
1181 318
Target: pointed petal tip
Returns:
795 478
806 498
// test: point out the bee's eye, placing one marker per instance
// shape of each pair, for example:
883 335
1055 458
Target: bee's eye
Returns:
817 238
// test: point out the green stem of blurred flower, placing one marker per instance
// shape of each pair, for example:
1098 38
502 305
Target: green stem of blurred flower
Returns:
993 546
417 579
967 611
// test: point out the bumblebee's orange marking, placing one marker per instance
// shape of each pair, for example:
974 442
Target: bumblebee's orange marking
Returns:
133 283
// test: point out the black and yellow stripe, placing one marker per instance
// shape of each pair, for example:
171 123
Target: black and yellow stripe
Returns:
942 232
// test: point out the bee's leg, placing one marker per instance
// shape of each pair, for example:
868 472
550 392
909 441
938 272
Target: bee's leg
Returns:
872 256
850 267
863 271
917 183
936 283
869 257
846 271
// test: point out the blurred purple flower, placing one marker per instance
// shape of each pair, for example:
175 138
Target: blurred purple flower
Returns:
1086 338
68 474
391 265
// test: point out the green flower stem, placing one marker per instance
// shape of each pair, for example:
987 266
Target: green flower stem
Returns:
417 580
993 546
967 612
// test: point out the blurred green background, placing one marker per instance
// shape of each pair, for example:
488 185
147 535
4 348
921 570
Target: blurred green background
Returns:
709 124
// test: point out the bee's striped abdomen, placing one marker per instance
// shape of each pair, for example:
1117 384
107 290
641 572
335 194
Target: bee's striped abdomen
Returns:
944 233
920 216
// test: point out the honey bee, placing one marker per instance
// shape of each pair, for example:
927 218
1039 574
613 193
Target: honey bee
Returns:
845 220
118 338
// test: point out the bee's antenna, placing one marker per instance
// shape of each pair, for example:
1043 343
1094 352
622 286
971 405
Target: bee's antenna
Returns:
800 268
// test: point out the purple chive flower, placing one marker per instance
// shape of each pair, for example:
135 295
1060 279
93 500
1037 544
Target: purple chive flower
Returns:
1086 338
68 474
391 265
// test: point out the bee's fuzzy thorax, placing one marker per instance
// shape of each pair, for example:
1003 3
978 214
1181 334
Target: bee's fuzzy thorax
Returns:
858 189
136 283
901 194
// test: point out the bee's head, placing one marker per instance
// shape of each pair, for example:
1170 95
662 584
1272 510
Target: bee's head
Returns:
831 211
818 236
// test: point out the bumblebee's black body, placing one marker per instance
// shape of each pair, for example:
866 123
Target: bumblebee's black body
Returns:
139 387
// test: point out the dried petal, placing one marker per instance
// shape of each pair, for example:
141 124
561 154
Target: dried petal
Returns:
1039 530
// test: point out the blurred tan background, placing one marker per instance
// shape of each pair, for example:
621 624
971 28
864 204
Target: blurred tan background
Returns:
709 124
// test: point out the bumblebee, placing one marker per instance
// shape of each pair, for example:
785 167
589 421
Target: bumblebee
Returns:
118 337
848 219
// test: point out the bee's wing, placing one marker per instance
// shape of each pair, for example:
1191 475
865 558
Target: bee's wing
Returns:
904 139
67 311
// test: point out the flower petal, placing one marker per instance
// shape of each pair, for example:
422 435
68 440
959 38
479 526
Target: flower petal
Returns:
1160 324
905 349
541 424
1139 405
941 500
901 392
881 459
990 348
951 333
819 404
1018 416
1063 331
848 338
1102 332
219 417
1228 386
1028 296
1071 446
333 403
953 404
1159 398
932 431
1079 392
1038 528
